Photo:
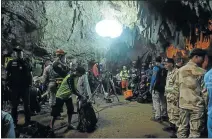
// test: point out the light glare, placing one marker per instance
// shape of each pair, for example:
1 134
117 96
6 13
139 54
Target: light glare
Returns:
109 28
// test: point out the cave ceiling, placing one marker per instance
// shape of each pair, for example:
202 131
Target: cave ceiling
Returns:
150 27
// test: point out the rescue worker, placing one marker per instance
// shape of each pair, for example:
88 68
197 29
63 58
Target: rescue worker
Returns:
191 101
54 73
95 70
19 80
172 97
208 85
124 74
157 88
64 95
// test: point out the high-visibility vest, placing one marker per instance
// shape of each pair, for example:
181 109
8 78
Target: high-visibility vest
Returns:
124 74
6 61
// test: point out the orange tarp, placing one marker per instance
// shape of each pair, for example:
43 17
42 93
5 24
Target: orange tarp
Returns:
171 52
202 43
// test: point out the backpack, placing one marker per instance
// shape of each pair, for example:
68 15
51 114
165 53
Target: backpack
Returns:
60 69
87 117
160 82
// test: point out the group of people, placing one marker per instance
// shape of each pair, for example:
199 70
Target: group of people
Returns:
59 79
182 98
179 90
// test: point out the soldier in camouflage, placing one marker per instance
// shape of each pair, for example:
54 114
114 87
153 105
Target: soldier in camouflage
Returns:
191 100
171 96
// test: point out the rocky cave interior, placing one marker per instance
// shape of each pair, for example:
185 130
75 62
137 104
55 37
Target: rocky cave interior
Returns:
150 28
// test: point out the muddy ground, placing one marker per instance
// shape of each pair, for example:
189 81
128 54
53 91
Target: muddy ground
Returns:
122 119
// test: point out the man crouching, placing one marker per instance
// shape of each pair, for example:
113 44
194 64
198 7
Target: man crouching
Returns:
63 95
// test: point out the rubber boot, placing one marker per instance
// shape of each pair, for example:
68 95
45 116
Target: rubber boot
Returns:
173 135
171 127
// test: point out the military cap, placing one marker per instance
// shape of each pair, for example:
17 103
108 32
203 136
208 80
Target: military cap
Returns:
169 60
198 52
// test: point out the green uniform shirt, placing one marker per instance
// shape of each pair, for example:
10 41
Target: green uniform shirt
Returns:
64 92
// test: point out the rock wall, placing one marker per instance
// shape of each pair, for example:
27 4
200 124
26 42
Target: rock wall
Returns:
22 24
72 24
71 27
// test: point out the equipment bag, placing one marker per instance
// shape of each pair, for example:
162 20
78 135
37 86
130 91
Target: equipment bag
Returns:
87 117
128 94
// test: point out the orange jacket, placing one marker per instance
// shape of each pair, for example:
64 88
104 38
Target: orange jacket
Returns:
95 70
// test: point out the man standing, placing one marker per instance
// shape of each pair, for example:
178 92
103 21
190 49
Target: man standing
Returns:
171 96
54 73
191 100
64 95
157 88
19 79
208 85
124 79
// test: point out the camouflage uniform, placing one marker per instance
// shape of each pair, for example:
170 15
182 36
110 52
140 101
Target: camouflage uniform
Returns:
50 76
172 97
191 100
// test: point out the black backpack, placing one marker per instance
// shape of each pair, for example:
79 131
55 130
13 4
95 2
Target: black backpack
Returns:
160 82
87 117
60 69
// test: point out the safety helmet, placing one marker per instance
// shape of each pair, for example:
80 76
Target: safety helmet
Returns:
60 52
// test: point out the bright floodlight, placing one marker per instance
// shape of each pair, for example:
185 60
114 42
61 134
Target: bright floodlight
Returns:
109 28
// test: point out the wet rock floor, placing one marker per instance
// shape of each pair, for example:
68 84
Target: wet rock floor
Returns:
122 119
